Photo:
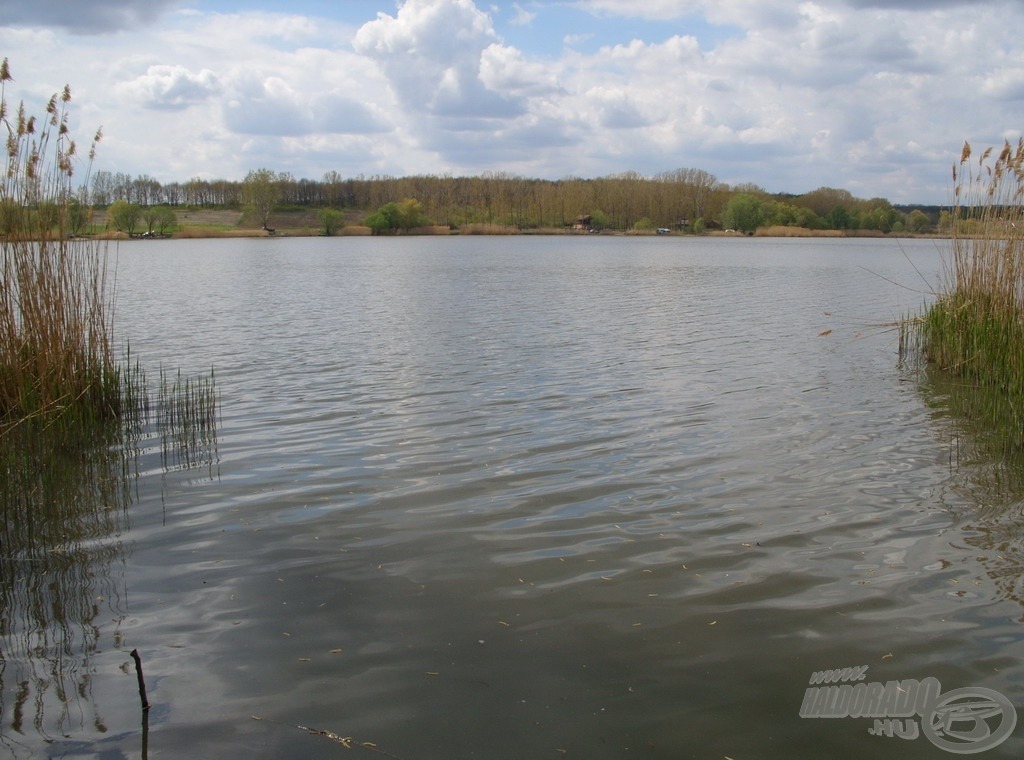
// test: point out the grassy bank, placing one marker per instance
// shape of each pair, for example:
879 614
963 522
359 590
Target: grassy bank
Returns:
974 330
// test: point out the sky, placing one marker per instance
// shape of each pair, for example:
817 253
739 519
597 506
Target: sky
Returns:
873 96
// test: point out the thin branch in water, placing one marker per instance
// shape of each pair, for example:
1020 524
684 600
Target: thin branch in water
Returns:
142 681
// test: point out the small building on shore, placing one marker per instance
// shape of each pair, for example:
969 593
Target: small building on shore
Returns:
582 223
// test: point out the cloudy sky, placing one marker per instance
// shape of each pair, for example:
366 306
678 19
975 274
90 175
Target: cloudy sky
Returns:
874 96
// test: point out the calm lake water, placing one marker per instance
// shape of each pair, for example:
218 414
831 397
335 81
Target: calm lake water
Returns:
582 497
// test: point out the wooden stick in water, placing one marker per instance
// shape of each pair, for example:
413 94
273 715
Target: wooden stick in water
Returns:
142 682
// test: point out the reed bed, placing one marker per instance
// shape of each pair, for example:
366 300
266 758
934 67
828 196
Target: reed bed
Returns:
214 231
56 359
75 421
974 329
484 228
779 230
58 367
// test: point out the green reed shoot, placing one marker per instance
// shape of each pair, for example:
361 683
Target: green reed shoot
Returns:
975 327
186 419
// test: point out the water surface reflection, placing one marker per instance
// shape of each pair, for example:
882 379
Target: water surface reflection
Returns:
66 497
518 497
61 577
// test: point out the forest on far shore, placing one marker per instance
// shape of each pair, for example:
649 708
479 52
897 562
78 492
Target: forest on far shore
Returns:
690 200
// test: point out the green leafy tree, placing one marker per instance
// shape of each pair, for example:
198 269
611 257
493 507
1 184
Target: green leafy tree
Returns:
261 193
47 214
877 214
840 219
125 216
918 221
11 215
778 213
743 213
411 214
331 220
392 217
79 215
598 219
805 217
160 219
824 200
384 219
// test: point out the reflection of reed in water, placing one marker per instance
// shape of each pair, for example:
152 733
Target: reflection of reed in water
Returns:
970 339
985 433
64 509
72 421
65 497
986 440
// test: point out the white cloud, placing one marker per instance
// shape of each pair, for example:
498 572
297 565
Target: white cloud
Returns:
522 16
172 87
430 53
616 109
267 106
1005 83
576 39
336 113
506 69
870 95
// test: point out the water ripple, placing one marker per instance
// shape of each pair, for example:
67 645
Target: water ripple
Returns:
631 482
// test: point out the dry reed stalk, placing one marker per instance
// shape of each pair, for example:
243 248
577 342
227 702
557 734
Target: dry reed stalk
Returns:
55 302
975 327
484 228
784 231
58 371
355 230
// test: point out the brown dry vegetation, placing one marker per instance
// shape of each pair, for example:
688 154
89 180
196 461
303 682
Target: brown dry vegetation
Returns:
55 354
58 372
781 231
975 328
488 229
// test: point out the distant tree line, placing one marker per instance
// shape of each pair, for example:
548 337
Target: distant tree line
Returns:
690 199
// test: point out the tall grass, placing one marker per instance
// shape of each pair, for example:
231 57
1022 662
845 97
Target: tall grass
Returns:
75 421
58 371
975 327
56 359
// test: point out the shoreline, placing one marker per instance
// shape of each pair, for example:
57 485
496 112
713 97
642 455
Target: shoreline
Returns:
198 233
233 223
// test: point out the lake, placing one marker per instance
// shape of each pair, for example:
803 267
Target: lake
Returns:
526 497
